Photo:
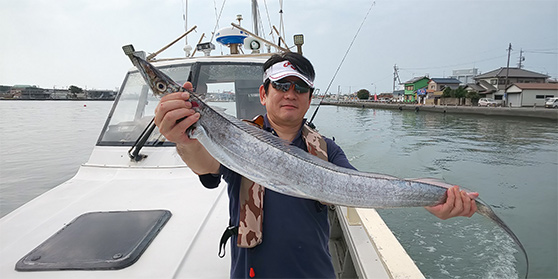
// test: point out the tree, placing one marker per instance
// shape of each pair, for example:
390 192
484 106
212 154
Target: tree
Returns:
460 92
447 93
74 89
473 95
363 94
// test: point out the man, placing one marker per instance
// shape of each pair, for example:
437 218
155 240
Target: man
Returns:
293 242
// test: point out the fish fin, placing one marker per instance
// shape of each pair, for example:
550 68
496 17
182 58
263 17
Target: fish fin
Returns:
484 209
441 183
433 181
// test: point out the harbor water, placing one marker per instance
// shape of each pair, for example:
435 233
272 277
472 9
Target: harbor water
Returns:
512 162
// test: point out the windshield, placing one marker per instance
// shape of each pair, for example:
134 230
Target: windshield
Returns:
136 107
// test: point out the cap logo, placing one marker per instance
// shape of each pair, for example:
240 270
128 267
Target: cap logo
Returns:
289 64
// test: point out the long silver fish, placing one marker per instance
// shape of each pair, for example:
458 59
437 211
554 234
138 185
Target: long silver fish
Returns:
289 170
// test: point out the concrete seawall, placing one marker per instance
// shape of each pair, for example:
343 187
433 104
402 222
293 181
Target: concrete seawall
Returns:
539 112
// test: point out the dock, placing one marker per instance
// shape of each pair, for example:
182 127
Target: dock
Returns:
525 112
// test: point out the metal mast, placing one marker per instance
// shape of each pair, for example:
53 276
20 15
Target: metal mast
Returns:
255 17
395 76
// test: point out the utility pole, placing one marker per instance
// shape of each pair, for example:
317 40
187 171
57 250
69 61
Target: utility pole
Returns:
507 77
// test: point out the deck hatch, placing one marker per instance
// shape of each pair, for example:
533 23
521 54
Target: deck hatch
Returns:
97 241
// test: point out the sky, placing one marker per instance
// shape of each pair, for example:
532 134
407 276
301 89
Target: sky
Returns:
58 43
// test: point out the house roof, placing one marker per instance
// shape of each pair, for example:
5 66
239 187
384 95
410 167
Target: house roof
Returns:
415 79
486 85
445 80
536 86
513 73
482 86
475 87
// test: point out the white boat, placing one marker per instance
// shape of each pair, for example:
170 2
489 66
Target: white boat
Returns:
141 212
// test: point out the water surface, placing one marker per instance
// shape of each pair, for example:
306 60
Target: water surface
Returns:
511 162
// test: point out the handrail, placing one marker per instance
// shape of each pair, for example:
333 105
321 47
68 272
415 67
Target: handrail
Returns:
260 38
151 56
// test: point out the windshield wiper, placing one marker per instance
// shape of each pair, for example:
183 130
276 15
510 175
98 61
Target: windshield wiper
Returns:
133 153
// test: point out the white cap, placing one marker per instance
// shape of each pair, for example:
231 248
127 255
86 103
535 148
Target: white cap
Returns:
285 69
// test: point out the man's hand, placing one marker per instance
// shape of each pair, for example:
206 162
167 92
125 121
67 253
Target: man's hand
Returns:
458 203
170 109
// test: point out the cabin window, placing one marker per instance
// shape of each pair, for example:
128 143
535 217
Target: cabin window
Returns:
240 82
136 108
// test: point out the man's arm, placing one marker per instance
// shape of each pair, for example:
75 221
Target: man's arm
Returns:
168 112
197 158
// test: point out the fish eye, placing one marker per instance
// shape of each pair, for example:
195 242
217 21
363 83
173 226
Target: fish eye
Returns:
161 86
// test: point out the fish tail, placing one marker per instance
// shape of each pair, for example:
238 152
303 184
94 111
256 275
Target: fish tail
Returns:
485 210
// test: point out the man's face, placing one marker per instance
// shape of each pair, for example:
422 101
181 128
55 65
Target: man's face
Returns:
285 108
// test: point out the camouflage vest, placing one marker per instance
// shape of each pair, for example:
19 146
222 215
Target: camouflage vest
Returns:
251 194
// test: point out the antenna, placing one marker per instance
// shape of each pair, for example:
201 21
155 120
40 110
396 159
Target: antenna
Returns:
521 59
395 76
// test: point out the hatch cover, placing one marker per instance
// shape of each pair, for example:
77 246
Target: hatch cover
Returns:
97 241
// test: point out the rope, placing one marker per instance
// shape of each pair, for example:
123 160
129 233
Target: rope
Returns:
269 22
342 60
218 18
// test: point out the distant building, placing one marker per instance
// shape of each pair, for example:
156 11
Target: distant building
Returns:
482 87
414 85
28 92
497 78
436 88
59 94
465 76
100 94
5 91
493 84
531 94
387 96
439 84
398 95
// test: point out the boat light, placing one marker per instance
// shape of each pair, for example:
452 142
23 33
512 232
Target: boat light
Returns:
298 41
206 48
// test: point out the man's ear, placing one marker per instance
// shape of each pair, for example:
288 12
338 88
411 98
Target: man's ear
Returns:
263 97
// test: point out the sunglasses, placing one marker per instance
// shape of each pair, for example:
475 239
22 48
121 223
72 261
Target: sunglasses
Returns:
286 85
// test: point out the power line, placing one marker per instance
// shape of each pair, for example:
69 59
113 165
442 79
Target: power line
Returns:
454 65
541 52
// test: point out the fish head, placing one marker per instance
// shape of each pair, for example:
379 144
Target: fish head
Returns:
159 82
